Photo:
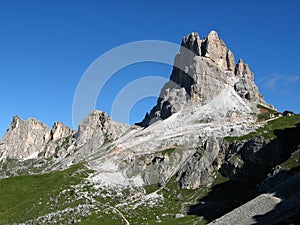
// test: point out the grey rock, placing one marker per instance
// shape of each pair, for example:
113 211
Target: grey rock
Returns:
200 168
178 215
277 176
274 207
252 158
156 168
215 49
32 139
202 70
246 213
245 86
192 42
24 138
96 130
59 130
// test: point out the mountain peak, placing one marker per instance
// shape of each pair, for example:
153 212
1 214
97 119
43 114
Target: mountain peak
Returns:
191 42
60 130
202 70
211 47
215 49
98 125
242 68
16 120
213 35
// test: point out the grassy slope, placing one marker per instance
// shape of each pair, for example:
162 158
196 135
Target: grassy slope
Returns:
268 129
25 197
292 162
178 201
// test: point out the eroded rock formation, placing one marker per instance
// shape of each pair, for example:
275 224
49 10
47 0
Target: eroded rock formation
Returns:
202 69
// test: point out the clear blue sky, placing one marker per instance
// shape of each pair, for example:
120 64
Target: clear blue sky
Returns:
45 47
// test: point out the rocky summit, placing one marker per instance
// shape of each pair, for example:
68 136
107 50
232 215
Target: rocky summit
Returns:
210 151
202 70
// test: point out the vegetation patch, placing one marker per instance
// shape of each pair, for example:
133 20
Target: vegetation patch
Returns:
293 161
13 167
270 110
168 151
177 202
27 197
267 131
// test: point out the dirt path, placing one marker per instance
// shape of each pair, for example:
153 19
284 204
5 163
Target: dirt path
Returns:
121 214
109 206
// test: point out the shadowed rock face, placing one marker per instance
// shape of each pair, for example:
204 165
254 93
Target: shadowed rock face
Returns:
202 69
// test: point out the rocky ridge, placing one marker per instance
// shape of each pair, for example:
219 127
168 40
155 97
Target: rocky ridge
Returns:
25 139
32 139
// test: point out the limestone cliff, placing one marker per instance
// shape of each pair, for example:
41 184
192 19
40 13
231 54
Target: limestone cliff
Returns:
31 138
202 69
24 138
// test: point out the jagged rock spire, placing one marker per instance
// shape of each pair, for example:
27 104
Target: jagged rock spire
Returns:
211 47
192 42
245 85
96 129
59 130
31 138
216 50
242 69
202 69
24 138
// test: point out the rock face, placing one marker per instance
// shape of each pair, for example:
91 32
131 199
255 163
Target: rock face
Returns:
97 129
251 159
31 138
215 49
200 168
202 69
24 138
245 86
256 158
59 130
28 139
157 168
